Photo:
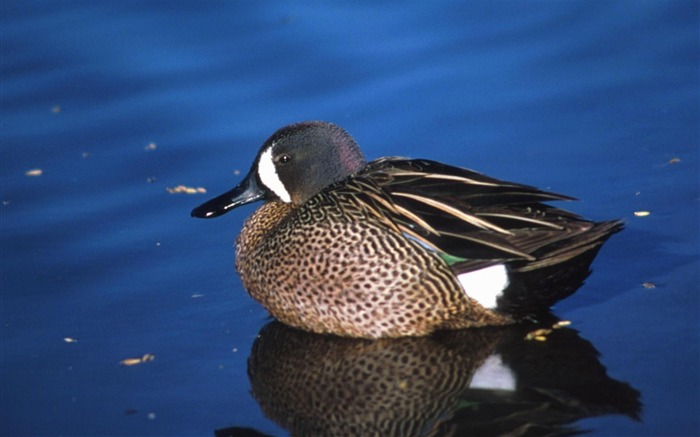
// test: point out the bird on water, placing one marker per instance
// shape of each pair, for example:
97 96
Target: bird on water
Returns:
398 247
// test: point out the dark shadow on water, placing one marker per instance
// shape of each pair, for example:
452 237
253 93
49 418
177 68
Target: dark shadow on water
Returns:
489 381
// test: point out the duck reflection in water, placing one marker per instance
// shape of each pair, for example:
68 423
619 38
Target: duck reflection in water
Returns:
399 248
488 381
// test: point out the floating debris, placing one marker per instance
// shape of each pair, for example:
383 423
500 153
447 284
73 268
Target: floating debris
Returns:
85 154
542 333
561 324
674 160
134 361
34 172
151 146
197 295
151 179
649 285
236 172
56 109
70 340
538 334
186 190
641 213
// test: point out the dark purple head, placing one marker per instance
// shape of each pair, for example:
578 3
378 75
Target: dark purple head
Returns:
295 163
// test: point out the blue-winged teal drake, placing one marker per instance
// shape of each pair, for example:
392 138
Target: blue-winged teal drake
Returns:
397 247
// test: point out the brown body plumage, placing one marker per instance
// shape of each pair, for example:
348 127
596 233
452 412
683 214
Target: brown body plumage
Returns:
382 249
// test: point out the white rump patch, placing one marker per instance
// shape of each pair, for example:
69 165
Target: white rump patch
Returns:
494 375
270 178
485 285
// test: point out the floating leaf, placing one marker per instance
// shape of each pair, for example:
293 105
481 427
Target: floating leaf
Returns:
538 334
134 361
186 190
561 324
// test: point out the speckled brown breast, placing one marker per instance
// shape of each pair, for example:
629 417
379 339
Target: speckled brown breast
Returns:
330 266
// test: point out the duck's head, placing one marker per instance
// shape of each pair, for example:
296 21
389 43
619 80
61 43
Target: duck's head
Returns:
295 163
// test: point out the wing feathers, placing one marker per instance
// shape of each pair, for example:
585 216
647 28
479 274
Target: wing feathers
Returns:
468 215
469 218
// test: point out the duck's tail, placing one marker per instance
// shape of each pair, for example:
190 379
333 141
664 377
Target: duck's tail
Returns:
559 270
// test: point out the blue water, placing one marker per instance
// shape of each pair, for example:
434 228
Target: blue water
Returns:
591 99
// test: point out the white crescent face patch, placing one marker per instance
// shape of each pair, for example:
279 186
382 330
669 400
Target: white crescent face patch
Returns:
270 178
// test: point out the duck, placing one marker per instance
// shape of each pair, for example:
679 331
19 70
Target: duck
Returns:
398 247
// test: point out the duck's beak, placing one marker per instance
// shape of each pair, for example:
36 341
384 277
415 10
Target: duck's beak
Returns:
246 192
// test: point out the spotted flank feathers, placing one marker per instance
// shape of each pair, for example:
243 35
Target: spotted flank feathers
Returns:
398 247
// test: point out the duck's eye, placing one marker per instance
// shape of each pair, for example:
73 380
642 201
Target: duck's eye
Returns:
283 159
